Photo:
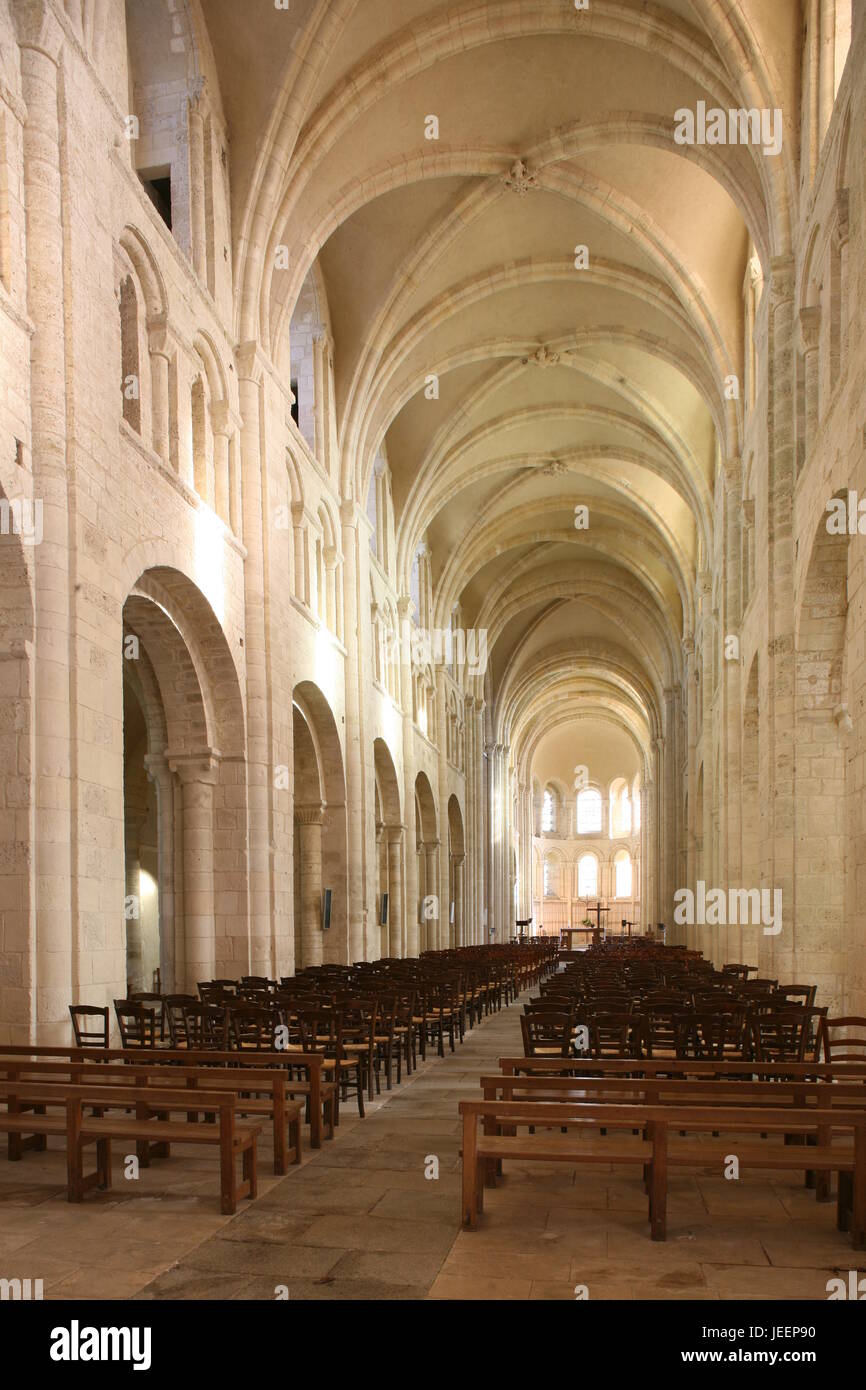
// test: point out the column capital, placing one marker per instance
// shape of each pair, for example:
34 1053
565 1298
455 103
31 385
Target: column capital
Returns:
251 361
191 768
156 766
37 26
349 512
161 336
431 845
783 273
405 604
199 97
221 418
395 834
309 813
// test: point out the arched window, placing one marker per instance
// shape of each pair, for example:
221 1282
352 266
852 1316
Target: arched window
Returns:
549 879
587 876
548 810
622 872
589 812
620 809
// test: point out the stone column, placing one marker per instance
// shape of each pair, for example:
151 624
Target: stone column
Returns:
161 775
810 335
775 953
841 235
223 428
645 919
161 349
458 862
478 867
60 967
195 119
198 776
444 924
404 608
355 802
826 68
732 718
470 777
309 819
134 818
260 773
395 889
433 888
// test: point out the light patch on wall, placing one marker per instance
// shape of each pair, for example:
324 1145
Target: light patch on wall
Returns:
210 559
147 886
329 675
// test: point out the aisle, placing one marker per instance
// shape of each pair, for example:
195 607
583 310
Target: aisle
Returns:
359 1219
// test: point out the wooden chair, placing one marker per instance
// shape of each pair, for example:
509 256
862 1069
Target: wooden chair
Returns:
780 1037
613 1034
321 1031
137 1024
206 1026
173 1006
547 1033
843 1039
252 1028
797 994
86 1035
151 1001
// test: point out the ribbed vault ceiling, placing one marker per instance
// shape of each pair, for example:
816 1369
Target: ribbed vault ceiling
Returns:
601 386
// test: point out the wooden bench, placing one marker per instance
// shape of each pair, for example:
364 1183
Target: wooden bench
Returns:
657 1149
146 1124
260 1092
674 1067
319 1093
660 1090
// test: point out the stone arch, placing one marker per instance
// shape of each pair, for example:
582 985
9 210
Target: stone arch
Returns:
185 804
320 831
816 944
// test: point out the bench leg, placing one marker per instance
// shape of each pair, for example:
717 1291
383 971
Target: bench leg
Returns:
314 1115
470 1171
103 1163
228 1181
844 1201
250 1169
858 1203
658 1182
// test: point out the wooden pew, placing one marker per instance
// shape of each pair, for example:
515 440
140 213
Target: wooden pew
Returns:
659 1090
660 1149
147 1124
319 1092
682 1067
264 1092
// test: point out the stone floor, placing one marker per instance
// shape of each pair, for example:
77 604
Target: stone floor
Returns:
361 1220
